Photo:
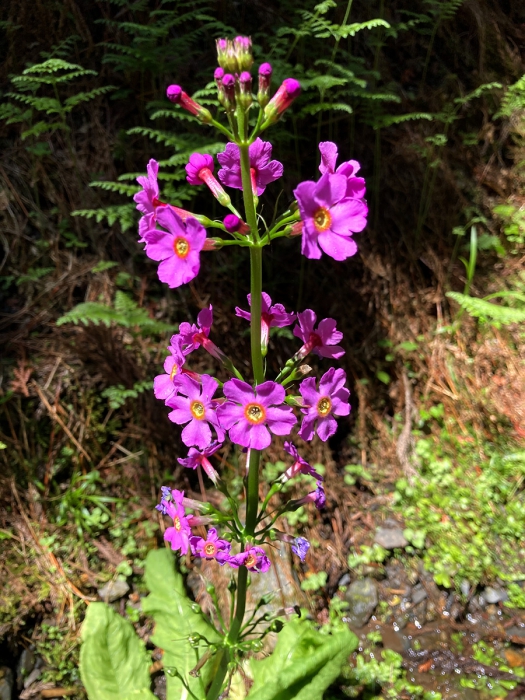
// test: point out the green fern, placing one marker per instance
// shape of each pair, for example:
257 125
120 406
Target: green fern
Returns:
485 311
124 312
118 395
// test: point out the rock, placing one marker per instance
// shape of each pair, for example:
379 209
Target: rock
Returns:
6 683
361 597
113 590
464 587
26 664
390 538
344 580
495 595
418 594
159 687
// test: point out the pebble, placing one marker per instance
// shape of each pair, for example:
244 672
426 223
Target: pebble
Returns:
464 587
344 580
390 538
361 597
25 665
418 594
113 590
494 595
6 683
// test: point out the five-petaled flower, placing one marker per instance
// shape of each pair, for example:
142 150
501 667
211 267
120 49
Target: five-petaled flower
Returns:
249 415
193 405
211 548
321 406
262 169
178 248
329 216
253 558
355 186
200 459
271 316
322 341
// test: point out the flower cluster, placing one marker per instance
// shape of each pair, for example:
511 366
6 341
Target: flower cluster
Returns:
326 213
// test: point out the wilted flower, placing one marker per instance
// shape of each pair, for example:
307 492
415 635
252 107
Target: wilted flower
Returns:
200 459
271 316
192 336
300 466
300 547
322 341
322 405
179 534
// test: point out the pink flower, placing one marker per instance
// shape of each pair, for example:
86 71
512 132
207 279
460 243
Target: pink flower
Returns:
233 224
249 415
253 558
300 466
199 171
177 95
271 316
191 335
355 186
200 459
330 217
179 534
211 547
262 169
323 341
316 497
322 405
164 385
193 405
289 90
178 248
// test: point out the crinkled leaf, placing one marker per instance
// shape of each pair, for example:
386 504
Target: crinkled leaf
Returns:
175 621
114 663
303 664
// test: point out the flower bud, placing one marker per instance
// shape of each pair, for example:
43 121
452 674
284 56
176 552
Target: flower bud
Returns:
245 83
265 78
218 75
228 83
296 229
212 244
177 95
283 98
233 224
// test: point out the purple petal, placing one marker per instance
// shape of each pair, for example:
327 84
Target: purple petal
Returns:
308 391
328 156
172 221
259 437
240 433
163 386
281 420
306 431
238 391
270 393
329 190
304 193
326 427
337 247
197 432
229 413
348 216
159 244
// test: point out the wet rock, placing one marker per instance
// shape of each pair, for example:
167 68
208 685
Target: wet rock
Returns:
494 595
361 597
390 538
6 683
113 590
418 594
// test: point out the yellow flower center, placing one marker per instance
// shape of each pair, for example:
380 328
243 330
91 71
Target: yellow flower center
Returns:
176 523
324 406
181 247
255 413
251 561
322 219
209 549
174 371
197 410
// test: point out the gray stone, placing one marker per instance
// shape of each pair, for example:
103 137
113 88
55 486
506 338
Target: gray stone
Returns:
361 597
464 587
6 683
26 664
390 538
418 594
344 580
113 590
495 595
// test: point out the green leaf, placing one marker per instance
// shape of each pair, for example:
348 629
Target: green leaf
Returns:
114 664
175 621
484 310
304 664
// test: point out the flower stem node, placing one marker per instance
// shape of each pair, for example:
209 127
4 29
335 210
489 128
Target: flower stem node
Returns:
177 95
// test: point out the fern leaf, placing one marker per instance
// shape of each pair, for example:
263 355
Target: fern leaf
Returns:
120 187
327 107
123 213
484 310
71 102
346 30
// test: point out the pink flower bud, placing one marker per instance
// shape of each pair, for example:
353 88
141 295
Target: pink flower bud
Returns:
297 228
218 75
177 95
283 98
265 78
233 224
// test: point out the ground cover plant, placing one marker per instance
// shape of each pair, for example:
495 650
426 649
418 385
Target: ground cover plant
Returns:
429 310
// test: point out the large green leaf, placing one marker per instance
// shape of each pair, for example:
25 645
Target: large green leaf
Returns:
176 620
113 660
303 664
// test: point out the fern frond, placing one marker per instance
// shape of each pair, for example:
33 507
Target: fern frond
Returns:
71 102
346 30
484 310
326 107
120 187
124 214
323 82
387 121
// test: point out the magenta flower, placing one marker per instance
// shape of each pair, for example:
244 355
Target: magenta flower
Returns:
233 224
177 95
164 385
200 459
178 248
271 316
288 91
300 466
262 169
191 335
355 186
249 415
330 217
211 547
199 171
179 534
300 547
253 558
193 405
322 341
322 405
265 78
